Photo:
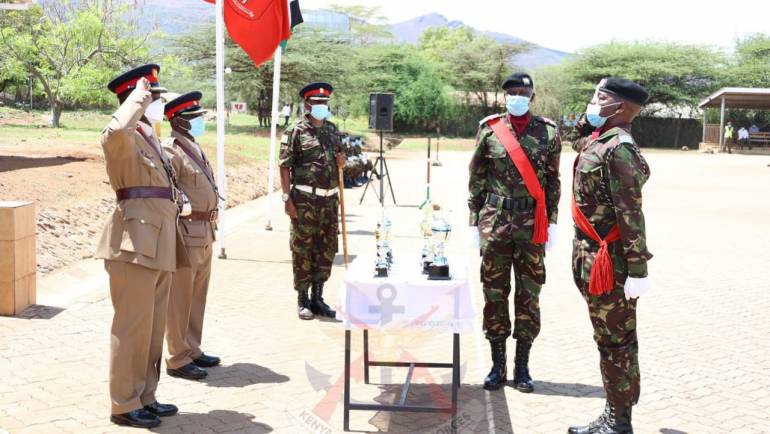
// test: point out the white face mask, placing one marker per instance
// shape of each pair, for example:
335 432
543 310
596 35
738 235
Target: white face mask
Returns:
154 112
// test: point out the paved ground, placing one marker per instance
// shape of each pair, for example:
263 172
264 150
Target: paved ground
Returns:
705 353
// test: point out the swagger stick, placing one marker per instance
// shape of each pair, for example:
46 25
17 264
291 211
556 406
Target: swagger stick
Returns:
342 214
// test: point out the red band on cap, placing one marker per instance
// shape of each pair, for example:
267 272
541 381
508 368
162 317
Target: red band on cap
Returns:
152 78
313 92
170 113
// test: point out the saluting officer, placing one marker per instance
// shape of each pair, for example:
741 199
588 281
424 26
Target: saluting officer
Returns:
187 300
141 246
310 157
514 198
610 253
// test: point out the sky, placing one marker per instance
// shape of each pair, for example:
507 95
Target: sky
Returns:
571 25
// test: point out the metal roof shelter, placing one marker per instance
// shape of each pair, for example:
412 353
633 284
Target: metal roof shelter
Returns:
734 98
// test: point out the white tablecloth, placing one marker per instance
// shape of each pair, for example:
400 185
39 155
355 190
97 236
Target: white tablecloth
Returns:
406 299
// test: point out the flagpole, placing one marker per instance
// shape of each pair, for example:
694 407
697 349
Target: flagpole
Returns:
273 131
221 180
274 127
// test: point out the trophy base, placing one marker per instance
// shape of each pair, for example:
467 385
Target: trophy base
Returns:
439 272
381 272
426 267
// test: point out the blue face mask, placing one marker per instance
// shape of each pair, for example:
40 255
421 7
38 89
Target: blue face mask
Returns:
594 118
517 105
197 126
320 112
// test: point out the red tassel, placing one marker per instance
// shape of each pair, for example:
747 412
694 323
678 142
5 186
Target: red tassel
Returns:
540 233
602 274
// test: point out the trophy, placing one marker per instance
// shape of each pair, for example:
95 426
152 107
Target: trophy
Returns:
441 230
381 265
427 234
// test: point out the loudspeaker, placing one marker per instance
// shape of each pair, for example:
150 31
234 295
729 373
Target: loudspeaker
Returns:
381 111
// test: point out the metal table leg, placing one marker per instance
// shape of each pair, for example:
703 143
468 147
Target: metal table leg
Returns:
346 400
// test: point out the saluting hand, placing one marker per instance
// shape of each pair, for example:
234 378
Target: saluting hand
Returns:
143 84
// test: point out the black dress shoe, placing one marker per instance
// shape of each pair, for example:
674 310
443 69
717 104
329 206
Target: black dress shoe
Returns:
206 361
188 372
162 410
138 418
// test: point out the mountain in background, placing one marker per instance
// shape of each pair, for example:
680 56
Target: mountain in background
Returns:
411 30
174 17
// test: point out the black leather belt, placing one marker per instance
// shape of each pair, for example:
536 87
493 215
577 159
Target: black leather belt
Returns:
510 204
145 193
202 216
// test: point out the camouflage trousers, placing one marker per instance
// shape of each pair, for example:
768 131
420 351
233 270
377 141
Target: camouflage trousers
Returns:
614 323
313 238
499 256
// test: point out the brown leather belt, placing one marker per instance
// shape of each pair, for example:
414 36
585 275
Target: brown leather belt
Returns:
145 193
202 216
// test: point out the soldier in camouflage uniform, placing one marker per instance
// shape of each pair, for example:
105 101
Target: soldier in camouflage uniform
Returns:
609 260
502 215
310 156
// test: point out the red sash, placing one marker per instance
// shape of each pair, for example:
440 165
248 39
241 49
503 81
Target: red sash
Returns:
524 166
602 278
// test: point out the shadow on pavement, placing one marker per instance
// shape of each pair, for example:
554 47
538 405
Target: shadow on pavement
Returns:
38 311
671 431
241 375
575 390
479 410
217 419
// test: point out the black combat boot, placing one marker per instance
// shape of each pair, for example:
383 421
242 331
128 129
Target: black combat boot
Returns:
592 427
303 305
499 373
614 420
317 305
521 379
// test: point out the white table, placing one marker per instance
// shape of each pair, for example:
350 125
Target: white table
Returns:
405 300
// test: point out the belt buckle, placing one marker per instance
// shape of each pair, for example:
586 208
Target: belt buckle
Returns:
214 215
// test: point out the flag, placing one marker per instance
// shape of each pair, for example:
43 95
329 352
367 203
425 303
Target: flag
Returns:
257 26
296 19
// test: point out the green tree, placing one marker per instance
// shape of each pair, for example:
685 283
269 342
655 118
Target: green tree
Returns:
752 63
474 64
676 75
73 48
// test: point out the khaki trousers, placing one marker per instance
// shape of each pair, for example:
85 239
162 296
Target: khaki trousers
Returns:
139 298
186 307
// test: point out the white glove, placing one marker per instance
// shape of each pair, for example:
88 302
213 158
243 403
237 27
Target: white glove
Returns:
552 237
635 287
473 237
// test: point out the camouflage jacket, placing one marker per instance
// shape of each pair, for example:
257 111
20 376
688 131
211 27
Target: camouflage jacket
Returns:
309 153
609 175
492 171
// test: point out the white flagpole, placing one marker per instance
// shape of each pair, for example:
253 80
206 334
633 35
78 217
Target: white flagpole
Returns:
221 181
274 130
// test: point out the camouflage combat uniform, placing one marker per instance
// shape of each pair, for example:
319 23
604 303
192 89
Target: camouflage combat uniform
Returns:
506 235
309 153
609 174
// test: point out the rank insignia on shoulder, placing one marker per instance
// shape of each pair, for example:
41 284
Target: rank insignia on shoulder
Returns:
489 118
625 138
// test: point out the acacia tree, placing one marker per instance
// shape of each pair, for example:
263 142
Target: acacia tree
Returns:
73 48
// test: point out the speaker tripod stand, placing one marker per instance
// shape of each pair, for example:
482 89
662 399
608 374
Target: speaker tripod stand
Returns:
383 172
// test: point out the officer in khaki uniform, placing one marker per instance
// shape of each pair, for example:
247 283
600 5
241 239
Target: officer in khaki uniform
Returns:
187 301
141 246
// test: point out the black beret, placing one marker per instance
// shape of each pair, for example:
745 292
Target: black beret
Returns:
518 79
187 104
318 90
625 89
126 82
